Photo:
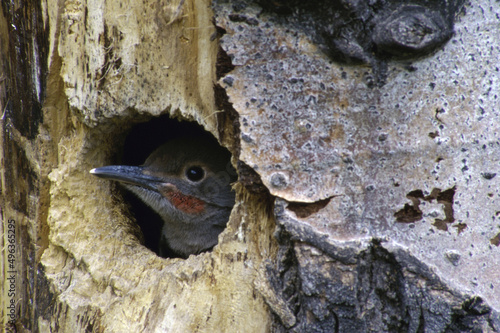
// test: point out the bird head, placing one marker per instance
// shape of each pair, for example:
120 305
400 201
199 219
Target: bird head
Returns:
187 181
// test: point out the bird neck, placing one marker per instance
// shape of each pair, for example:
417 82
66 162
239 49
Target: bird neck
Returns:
193 234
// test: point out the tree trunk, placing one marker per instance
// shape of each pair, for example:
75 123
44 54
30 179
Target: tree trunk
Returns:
365 139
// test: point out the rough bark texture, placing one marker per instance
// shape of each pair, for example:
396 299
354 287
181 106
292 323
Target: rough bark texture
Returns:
368 198
70 96
385 176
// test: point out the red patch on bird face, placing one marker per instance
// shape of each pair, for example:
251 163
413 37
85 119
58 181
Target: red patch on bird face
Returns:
185 203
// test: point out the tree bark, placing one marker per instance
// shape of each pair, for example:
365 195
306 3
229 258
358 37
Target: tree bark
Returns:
368 163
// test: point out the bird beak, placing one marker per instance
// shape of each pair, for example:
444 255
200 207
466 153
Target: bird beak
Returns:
127 174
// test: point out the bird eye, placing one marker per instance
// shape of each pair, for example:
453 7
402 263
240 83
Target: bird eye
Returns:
195 173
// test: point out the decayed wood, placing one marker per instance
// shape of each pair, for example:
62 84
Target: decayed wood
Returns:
79 262
75 77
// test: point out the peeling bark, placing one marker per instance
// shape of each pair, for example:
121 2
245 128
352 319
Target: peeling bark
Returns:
357 148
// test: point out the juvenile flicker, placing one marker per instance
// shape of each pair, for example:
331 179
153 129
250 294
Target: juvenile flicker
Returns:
187 181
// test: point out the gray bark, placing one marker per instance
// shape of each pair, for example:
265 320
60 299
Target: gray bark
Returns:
369 164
